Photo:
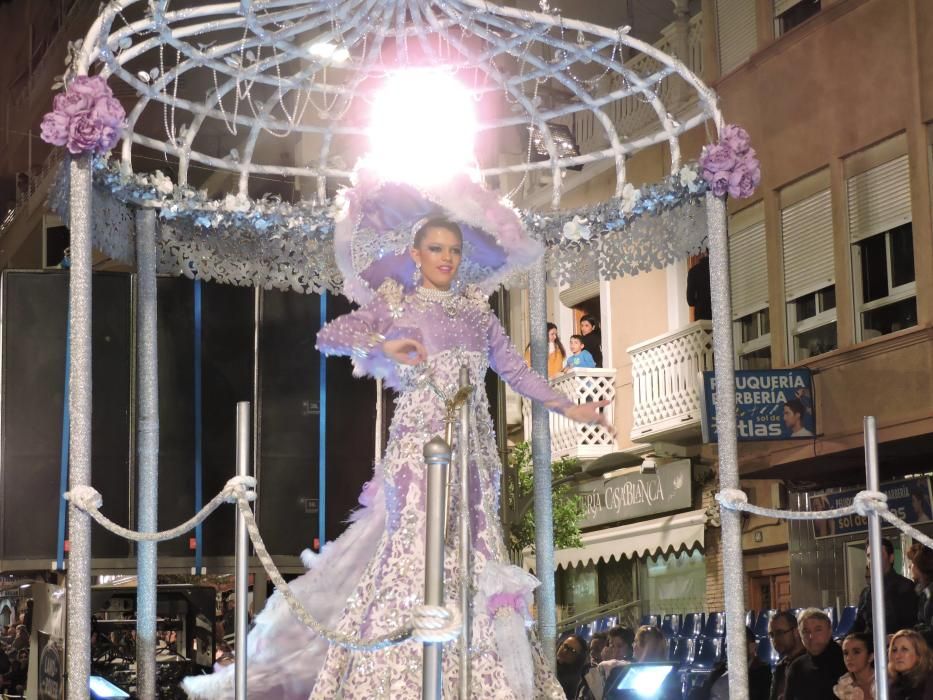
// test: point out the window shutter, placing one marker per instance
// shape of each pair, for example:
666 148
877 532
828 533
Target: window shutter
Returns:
879 199
737 31
807 239
748 262
782 6
578 293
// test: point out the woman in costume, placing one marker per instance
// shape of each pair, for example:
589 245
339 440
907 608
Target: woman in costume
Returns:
422 264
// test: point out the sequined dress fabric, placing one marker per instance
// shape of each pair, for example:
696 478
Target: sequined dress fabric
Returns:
456 331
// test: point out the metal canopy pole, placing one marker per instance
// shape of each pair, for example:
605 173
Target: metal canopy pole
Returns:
78 647
242 554
732 571
437 459
541 458
147 445
466 559
877 553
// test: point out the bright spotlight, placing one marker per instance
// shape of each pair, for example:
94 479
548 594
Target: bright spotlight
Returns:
329 52
421 127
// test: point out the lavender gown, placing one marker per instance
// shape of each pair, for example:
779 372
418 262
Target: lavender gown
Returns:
373 575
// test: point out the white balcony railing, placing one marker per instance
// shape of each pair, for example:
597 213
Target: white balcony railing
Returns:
666 398
570 439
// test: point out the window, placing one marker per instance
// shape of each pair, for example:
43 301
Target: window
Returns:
791 13
881 234
753 340
809 267
736 32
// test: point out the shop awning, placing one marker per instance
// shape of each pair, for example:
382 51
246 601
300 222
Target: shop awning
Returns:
648 538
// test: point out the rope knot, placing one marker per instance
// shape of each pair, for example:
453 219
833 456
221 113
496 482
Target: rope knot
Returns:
733 499
867 501
433 623
240 486
85 498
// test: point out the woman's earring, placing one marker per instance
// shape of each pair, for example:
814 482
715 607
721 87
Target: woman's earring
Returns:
416 275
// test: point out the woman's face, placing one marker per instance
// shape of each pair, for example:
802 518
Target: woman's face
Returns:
570 651
552 335
903 654
586 327
439 256
856 655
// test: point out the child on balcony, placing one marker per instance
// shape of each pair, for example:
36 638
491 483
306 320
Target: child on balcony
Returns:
579 357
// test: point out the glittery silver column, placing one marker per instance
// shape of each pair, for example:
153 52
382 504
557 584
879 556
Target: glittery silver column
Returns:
879 627
78 635
466 541
147 445
241 565
541 458
437 459
733 580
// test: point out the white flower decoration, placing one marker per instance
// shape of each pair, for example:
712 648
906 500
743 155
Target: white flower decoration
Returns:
689 177
341 207
236 203
577 229
630 197
162 182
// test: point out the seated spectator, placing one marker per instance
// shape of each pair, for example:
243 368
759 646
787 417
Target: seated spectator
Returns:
619 646
650 645
580 358
785 638
592 338
21 641
759 674
858 652
900 600
921 571
598 643
571 660
909 667
813 675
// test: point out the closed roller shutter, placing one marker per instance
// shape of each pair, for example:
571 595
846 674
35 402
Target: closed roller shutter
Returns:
748 261
879 199
807 240
737 31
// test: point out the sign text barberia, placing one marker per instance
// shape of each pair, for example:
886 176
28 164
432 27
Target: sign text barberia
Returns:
635 495
773 404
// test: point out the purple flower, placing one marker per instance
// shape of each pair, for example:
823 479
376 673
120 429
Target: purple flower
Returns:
54 129
736 138
718 182
84 134
717 158
72 103
743 181
109 111
93 87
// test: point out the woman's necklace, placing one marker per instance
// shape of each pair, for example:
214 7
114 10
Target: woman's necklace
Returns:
447 298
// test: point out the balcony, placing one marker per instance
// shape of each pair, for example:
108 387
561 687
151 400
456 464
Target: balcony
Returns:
666 397
570 439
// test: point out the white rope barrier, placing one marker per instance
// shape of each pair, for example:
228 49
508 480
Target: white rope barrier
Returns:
863 503
429 623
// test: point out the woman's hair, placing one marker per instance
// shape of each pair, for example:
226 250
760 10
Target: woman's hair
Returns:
436 222
559 345
919 672
922 559
589 318
649 635
862 637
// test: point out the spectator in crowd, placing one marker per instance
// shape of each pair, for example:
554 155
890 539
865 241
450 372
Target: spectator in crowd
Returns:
785 638
759 674
598 643
592 338
921 571
21 641
580 358
858 683
910 668
555 352
900 600
650 645
571 660
619 646
698 290
812 675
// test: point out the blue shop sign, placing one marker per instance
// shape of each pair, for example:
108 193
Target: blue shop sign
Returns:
773 404
908 499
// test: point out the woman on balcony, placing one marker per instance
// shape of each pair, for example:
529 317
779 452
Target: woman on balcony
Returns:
592 338
555 352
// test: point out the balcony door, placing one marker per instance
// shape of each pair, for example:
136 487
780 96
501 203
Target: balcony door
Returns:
769 590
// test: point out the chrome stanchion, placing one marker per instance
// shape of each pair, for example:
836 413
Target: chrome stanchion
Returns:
876 555
242 553
437 459
466 559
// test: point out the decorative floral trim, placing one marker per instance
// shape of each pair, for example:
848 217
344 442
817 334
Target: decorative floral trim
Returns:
731 167
85 118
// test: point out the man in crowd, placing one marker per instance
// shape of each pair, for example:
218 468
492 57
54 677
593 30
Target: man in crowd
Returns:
785 638
811 676
900 598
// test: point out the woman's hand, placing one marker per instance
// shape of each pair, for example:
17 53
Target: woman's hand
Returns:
589 413
405 351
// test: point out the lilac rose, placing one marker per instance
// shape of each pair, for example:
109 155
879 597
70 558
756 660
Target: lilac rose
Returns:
93 87
718 182
72 103
54 128
743 181
109 111
84 134
717 158
736 138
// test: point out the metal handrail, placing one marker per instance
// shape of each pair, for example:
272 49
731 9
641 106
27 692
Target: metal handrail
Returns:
569 623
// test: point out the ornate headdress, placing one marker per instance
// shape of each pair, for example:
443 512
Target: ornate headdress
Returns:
377 221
